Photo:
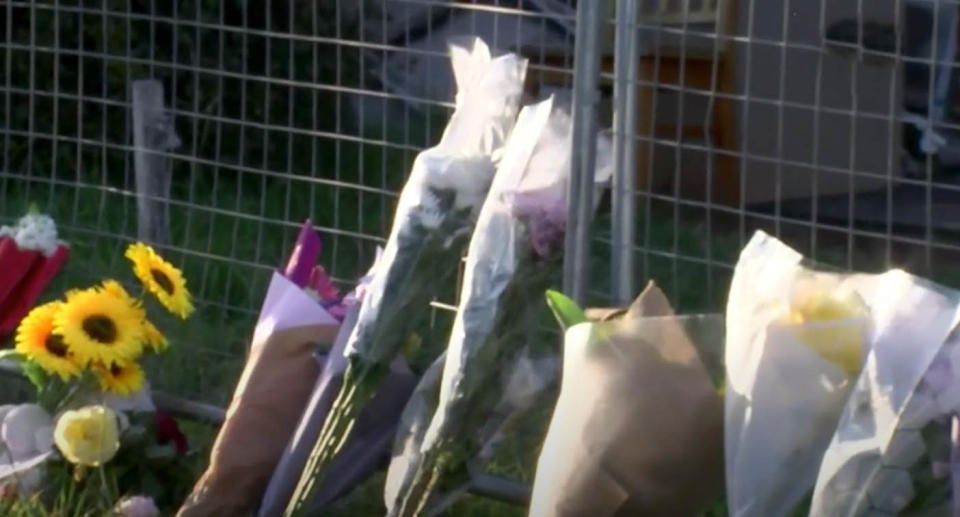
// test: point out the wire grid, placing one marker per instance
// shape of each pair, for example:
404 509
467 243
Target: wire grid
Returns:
824 153
285 110
294 109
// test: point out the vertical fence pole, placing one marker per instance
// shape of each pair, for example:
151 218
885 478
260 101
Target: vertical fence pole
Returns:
153 135
623 222
586 71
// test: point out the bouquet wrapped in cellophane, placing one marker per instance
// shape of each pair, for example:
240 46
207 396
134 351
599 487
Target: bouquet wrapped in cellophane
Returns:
891 453
638 426
435 216
817 365
514 256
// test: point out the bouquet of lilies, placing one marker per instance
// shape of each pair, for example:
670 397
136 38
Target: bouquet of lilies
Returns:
514 255
435 216
83 354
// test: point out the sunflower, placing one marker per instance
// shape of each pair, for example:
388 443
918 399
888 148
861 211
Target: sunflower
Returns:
122 377
153 338
101 327
116 289
39 344
162 279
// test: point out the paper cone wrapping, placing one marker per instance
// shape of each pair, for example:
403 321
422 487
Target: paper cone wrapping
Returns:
638 426
269 399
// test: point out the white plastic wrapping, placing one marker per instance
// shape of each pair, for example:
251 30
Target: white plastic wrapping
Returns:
901 390
441 199
434 219
783 394
798 341
513 257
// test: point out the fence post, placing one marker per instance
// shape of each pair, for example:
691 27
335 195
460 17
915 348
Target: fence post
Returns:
623 222
586 72
153 135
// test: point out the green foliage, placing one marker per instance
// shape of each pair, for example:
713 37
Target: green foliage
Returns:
565 310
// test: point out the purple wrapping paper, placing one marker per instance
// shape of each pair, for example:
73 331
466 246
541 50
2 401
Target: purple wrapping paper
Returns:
267 403
287 473
369 444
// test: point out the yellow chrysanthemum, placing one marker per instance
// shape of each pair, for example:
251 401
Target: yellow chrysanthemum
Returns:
88 436
160 278
123 378
37 342
100 327
832 319
153 338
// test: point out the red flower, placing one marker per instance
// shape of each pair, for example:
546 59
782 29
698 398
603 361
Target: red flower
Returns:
168 431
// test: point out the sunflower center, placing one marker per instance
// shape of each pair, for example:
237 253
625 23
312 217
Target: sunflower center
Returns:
55 345
100 328
162 280
115 370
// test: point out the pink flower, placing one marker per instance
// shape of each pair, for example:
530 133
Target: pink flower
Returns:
546 218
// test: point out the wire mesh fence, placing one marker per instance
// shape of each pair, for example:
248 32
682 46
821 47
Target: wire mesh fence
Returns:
831 124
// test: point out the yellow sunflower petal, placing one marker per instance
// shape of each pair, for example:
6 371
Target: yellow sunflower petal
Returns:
163 280
116 289
37 341
153 338
123 378
100 327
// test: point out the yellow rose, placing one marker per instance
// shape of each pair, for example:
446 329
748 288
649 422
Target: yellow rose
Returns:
832 319
88 436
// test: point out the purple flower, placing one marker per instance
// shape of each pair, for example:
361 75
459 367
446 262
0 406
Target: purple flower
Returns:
304 256
545 214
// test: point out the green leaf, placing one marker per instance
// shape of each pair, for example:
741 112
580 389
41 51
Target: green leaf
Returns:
565 310
35 375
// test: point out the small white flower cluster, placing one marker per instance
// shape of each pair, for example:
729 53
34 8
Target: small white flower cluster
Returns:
35 232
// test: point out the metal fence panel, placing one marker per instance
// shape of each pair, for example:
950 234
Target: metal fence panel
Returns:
729 116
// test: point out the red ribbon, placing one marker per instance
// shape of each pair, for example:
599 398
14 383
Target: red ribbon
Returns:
24 274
